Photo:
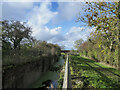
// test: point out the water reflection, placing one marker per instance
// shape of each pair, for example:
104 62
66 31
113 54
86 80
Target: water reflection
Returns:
50 78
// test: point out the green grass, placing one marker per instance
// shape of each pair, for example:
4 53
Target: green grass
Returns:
93 74
62 53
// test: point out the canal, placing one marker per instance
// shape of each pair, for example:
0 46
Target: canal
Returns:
49 75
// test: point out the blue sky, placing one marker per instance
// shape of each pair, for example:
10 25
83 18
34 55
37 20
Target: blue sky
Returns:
53 22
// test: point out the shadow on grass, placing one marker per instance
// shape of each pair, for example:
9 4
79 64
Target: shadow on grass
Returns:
105 78
107 69
87 66
83 79
84 60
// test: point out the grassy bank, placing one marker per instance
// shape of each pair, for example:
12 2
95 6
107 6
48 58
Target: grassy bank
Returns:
87 73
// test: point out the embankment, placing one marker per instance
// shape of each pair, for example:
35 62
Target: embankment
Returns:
22 76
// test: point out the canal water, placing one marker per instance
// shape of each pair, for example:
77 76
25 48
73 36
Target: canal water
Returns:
49 75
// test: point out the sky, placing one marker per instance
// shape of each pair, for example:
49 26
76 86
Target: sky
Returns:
54 22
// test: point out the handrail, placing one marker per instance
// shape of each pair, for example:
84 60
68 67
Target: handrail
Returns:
67 76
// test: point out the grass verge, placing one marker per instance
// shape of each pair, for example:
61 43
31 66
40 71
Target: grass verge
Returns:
86 73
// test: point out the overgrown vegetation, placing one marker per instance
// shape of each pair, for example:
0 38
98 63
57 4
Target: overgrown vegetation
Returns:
19 47
104 42
86 73
61 77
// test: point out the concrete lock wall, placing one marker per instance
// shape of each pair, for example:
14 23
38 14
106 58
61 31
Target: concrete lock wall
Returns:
67 76
24 75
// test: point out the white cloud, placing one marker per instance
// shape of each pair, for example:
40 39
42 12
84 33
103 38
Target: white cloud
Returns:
41 14
59 1
39 17
55 31
15 10
75 33
44 33
59 38
0 11
68 39
69 10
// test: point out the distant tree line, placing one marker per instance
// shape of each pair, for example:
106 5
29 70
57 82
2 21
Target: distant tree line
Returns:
18 46
103 43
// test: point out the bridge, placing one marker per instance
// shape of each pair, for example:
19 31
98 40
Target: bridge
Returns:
65 51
